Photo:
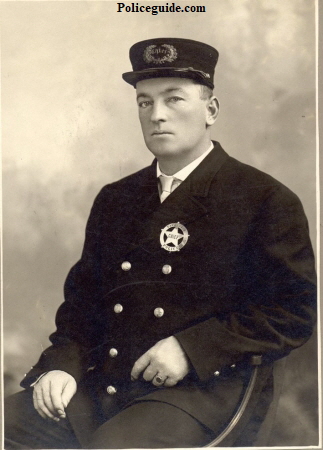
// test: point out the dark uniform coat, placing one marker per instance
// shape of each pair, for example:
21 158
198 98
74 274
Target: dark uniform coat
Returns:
242 285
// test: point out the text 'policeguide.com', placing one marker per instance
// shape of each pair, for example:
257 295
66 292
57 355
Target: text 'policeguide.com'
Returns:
156 9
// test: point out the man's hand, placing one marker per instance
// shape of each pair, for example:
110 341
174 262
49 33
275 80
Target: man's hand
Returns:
52 393
166 359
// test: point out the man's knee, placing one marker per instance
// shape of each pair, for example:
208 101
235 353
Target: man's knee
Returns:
18 408
25 428
151 425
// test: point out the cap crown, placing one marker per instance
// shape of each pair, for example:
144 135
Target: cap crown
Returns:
162 57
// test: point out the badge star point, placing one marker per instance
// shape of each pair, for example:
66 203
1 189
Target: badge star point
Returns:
173 236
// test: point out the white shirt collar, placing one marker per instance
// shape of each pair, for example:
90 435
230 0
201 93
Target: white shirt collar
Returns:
185 172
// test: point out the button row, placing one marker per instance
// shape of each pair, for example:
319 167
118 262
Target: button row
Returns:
158 312
217 372
166 269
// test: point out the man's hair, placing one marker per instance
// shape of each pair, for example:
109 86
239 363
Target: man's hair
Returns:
205 91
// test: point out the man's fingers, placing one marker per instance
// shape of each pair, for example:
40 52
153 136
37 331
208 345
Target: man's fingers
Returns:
68 392
57 400
42 395
42 389
149 373
41 407
140 365
36 406
47 399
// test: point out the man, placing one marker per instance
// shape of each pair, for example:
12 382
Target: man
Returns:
194 270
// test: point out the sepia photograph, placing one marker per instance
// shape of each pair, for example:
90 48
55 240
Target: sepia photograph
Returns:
160 224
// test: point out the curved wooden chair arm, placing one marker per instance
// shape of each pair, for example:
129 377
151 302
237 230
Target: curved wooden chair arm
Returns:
239 413
243 414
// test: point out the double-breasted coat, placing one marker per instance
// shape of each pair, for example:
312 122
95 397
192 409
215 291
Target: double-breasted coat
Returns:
242 284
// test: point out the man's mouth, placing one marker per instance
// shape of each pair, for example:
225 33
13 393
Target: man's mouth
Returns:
158 133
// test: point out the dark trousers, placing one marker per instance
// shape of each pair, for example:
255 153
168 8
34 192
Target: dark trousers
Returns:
148 424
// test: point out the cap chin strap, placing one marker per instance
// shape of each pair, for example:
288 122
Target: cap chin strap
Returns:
177 69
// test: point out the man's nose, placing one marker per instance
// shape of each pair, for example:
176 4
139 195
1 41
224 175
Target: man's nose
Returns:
158 113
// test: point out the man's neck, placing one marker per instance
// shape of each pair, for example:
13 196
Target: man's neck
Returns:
170 166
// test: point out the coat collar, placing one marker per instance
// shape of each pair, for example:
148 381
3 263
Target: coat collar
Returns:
199 181
201 178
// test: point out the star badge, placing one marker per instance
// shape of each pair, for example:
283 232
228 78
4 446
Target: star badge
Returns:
173 237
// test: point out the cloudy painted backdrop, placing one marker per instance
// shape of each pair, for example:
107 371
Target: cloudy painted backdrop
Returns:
70 125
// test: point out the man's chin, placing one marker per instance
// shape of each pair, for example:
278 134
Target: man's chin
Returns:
161 151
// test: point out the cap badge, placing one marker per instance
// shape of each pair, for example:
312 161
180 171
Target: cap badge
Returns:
159 54
173 237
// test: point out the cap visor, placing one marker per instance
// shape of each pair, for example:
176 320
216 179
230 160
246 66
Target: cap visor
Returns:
133 77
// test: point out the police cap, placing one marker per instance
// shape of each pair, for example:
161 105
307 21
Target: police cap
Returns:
172 57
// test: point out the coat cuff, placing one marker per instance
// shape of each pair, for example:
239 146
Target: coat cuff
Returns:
66 358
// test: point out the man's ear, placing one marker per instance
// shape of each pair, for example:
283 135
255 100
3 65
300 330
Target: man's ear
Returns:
213 107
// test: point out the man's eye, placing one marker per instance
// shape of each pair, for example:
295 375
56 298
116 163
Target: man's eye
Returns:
144 104
175 99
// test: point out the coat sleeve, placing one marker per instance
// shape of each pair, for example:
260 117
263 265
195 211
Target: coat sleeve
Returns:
275 294
76 334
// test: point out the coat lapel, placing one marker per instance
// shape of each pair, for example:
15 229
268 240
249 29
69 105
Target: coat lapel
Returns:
141 200
185 205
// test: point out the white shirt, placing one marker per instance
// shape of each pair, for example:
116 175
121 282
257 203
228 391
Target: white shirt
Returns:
182 174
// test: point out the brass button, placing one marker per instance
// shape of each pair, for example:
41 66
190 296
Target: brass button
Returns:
216 373
111 390
126 265
113 352
158 312
118 308
167 269
233 366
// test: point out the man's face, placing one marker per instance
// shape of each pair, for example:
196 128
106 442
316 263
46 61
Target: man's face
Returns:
173 117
